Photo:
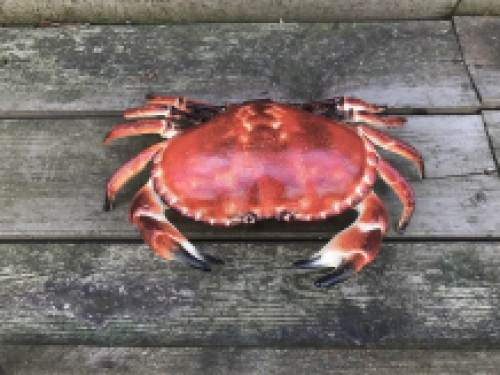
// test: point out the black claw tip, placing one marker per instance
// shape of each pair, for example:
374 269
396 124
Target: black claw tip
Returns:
340 274
301 263
108 205
183 256
106 137
422 172
213 260
307 263
401 229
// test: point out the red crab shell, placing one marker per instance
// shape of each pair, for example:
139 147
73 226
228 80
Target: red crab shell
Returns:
262 159
266 159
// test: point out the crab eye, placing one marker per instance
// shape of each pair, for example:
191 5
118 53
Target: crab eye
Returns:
249 218
286 215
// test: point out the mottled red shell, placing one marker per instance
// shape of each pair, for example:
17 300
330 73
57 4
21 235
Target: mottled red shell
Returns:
266 159
263 159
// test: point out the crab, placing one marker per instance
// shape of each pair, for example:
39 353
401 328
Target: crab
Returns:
240 163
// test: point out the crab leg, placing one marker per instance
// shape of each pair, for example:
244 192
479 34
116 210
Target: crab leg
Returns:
149 111
344 103
172 107
180 103
127 171
170 112
164 128
355 246
402 188
391 144
147 213
372 119
355 110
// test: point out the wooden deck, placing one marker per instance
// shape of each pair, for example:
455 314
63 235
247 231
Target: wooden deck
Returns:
81 293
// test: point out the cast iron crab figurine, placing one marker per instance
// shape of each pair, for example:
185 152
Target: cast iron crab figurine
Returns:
260 160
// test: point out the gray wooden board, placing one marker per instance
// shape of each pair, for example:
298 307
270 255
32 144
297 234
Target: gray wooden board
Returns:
54 174
478 8
480 41
402 64
413 296
492 121
79 360
160 11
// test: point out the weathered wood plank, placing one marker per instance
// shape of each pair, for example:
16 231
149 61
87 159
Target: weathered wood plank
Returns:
481 47
54 174
161 11
414 295
58 360
478 8
402 64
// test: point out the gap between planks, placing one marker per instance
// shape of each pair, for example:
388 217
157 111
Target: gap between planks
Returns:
78 114
320 240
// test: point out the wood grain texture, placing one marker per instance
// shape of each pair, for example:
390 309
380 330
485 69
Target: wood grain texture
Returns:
161 11
413 296
73 274
478 8
55 172
401 64
79 360
478 37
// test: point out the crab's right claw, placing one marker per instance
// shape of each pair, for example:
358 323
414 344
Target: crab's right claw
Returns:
341 273
354 247
147 213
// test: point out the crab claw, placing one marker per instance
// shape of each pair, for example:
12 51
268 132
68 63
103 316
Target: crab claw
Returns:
147 213
340 274
185 256
354 247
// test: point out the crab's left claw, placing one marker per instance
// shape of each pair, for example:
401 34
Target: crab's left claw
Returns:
355 246
147 213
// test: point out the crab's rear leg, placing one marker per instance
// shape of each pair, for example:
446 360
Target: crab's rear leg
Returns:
344 103
394 145
373 119
147 212
354 110
355 246
174 107
181 102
